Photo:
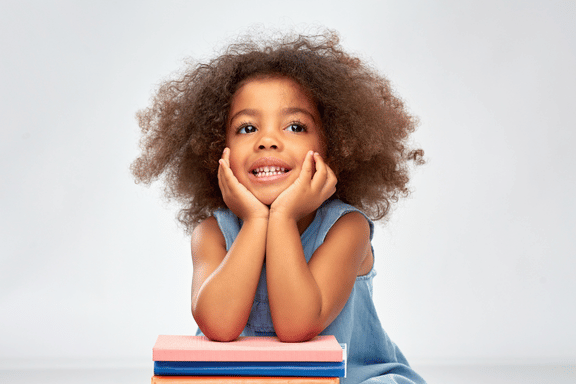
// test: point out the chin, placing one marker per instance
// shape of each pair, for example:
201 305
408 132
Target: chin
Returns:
268 198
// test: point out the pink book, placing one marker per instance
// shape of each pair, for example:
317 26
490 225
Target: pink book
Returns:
200 348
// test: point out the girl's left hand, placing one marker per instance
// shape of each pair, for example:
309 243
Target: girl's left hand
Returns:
309 190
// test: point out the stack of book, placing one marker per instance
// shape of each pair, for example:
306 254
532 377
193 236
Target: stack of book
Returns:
254 360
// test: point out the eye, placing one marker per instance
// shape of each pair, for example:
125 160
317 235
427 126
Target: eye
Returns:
296 127
247 129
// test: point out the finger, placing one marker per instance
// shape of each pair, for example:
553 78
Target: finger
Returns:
221 164
307 166
226 156
331 181
222 182
224 161
331 176
319 179
229 180
227 174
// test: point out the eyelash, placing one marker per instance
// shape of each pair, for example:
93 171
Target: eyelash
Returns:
293 123
299 124
244 125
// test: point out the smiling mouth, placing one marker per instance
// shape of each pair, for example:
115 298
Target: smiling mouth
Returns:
269 171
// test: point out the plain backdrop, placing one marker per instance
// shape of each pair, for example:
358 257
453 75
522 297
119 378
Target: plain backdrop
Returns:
478 265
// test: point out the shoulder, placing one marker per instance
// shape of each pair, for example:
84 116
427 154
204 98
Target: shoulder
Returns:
346 243
207 234
335 213
228 223
352 231
352 223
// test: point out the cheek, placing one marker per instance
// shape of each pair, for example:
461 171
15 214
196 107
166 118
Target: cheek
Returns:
316 141
321 149
237 167
234 166
318 146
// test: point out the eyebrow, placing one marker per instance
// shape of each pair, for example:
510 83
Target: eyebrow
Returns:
291 111
285 111
246 111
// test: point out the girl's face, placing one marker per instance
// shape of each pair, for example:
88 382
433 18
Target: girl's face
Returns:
271 126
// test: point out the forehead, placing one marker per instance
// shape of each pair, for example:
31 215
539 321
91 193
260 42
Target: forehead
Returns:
272 93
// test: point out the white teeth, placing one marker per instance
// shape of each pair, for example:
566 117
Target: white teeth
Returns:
268 171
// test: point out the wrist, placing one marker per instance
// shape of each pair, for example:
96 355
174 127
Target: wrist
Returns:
256 220
247 213
281 215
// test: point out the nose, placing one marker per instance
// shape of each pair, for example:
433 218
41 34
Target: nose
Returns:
269 140
267 145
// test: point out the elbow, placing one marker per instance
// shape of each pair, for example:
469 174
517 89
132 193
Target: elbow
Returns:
218 329
219 332
296 337
297 327
296 333
220 335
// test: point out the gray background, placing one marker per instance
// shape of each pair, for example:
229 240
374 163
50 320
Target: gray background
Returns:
476 266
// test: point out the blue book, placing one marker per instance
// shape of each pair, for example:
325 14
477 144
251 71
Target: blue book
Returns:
243 368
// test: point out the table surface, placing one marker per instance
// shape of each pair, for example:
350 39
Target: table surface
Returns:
445 374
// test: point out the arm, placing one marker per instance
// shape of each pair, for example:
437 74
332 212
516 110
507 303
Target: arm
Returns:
224 283
306 297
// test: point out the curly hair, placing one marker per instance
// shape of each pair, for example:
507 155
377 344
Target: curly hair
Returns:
366 126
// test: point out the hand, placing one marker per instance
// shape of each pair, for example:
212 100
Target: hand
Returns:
236 196
309 190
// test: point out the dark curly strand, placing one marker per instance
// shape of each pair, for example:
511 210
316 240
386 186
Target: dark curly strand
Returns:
366 126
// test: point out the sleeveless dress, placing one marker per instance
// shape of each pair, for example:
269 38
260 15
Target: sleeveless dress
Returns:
372 356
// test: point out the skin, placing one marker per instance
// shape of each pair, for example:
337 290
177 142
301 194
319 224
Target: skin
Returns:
274 122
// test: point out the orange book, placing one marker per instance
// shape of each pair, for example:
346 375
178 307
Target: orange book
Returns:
242 380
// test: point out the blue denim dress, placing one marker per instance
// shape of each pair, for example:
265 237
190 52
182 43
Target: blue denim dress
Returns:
372 356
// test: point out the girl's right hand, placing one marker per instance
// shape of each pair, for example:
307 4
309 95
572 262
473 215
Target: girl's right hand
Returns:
236 196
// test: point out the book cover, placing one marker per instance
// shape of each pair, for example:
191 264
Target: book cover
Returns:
200 348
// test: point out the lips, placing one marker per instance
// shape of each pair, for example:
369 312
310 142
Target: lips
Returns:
266 167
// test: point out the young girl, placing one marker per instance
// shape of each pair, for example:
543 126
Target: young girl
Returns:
281 151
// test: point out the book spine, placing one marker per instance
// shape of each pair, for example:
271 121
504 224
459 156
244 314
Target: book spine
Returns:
242 380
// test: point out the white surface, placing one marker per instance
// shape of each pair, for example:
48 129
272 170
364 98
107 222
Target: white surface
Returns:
505 374
477 264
